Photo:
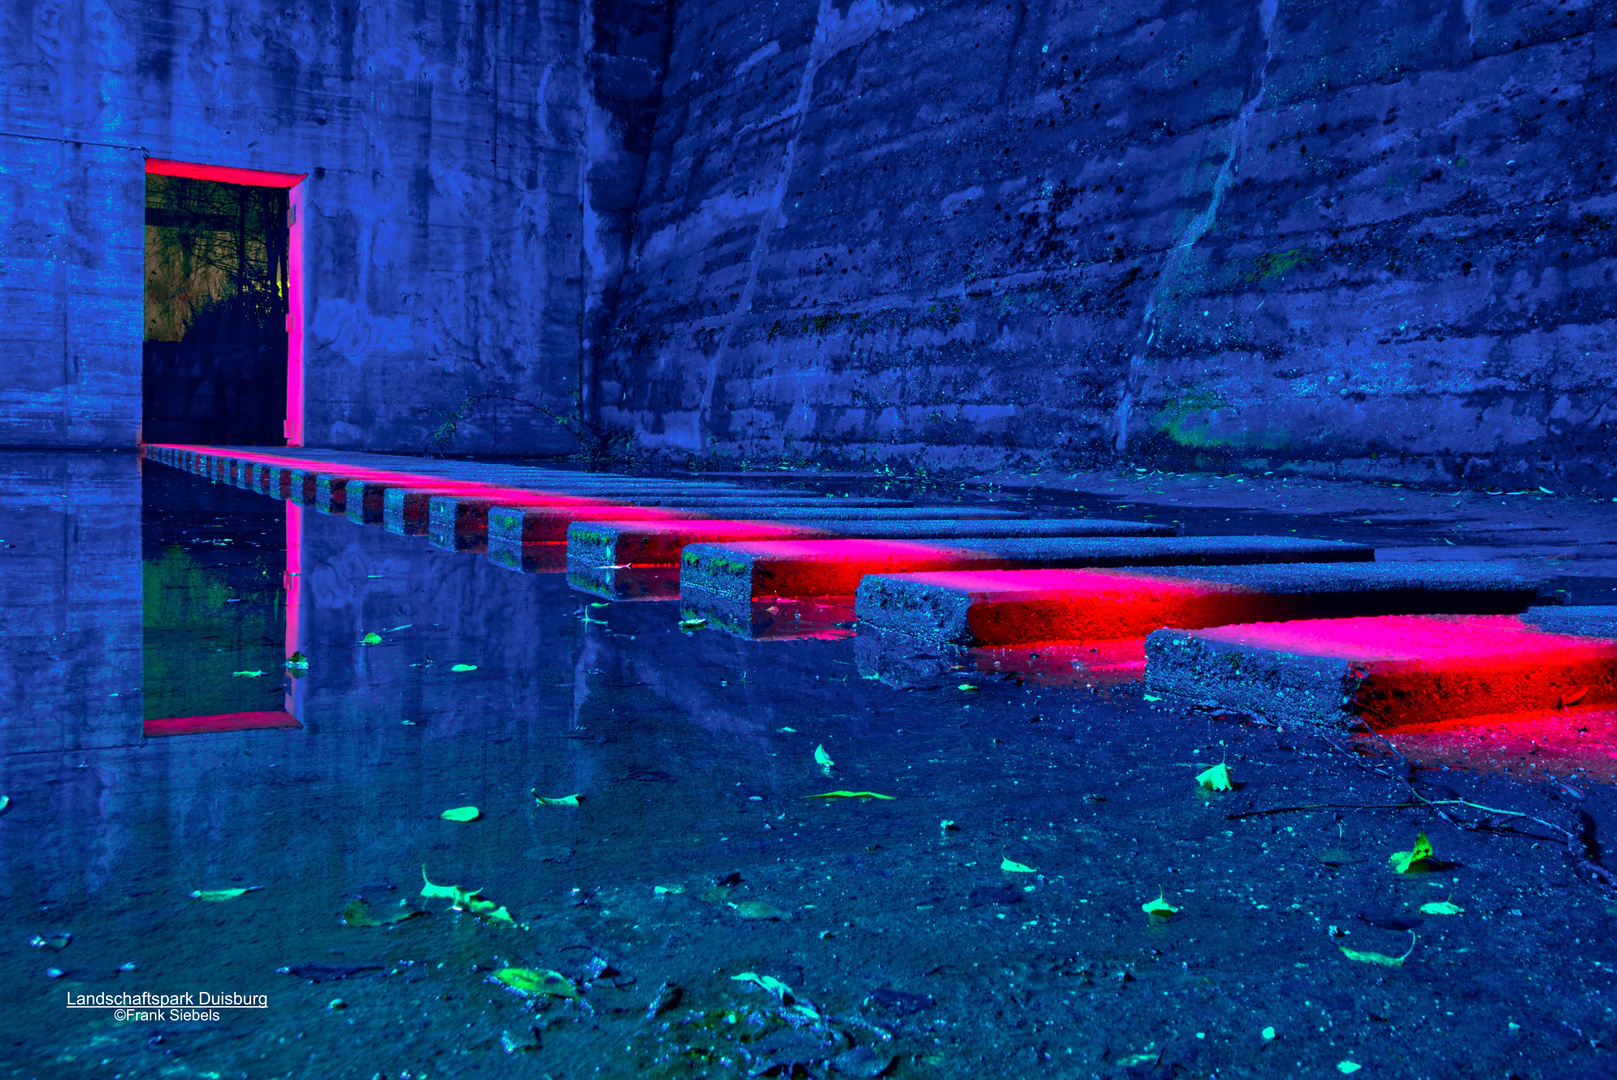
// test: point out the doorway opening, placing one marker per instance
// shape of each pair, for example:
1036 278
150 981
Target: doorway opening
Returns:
222 352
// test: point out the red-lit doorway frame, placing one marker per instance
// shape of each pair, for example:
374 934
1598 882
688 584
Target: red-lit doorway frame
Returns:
292 426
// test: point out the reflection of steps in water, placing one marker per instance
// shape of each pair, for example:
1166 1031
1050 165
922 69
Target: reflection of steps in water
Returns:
528 558
905 662
824 618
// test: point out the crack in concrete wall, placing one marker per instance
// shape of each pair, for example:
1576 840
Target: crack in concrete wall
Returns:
1172 275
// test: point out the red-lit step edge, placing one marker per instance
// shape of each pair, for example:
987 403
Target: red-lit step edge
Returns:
619 558
1014 607
754 571
463 525
1389 672
324 483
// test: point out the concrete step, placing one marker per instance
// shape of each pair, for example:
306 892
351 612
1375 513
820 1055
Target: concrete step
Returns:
461 522
756 570
1387 671
643 543
615 558
1011 607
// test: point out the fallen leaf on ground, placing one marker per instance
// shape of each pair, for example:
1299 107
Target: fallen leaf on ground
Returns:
463 667
1366 957
358 913
756 909
1159 908
444 892
1216 779
462 813
565 800
1010 866
5 801
396 629
849 795
372 638
222 894
530 982
1348 1066
1417 858
781 992
823 759
691 624
297 662
246 674
1442 907
965 686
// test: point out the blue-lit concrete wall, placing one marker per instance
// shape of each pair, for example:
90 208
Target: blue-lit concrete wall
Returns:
1372 237
447 198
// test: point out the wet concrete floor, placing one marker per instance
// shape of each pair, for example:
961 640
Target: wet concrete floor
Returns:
702 912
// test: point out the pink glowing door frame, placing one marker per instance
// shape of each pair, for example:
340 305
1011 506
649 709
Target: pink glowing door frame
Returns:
297 195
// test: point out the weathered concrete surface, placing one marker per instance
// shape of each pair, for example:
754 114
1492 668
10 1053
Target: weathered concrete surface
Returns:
745 571
457 153
1373 238
1384 670
1009 607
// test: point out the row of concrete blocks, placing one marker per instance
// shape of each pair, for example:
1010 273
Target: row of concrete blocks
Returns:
1397 643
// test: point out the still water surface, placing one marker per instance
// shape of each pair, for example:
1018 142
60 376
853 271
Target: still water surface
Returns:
986 920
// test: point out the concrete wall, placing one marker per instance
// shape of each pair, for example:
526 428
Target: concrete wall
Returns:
1372 237
443 139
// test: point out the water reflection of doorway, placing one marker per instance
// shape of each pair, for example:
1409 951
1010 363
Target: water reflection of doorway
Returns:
222 357
219 609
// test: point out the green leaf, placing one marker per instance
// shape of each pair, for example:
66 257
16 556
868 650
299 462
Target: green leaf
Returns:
1417 858
1012 867
1159 908
965 686
222 894
1379 958
1345 1066
1216 779
1442 907
247 674
782 993
849 795
462 813
463 667
691 624
358 913
565 800
446 892
756 909
396 629
297 662
531 982
1152 697
823 759
5 801
372 638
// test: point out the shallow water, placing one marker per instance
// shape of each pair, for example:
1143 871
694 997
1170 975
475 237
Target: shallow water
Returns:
696 853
